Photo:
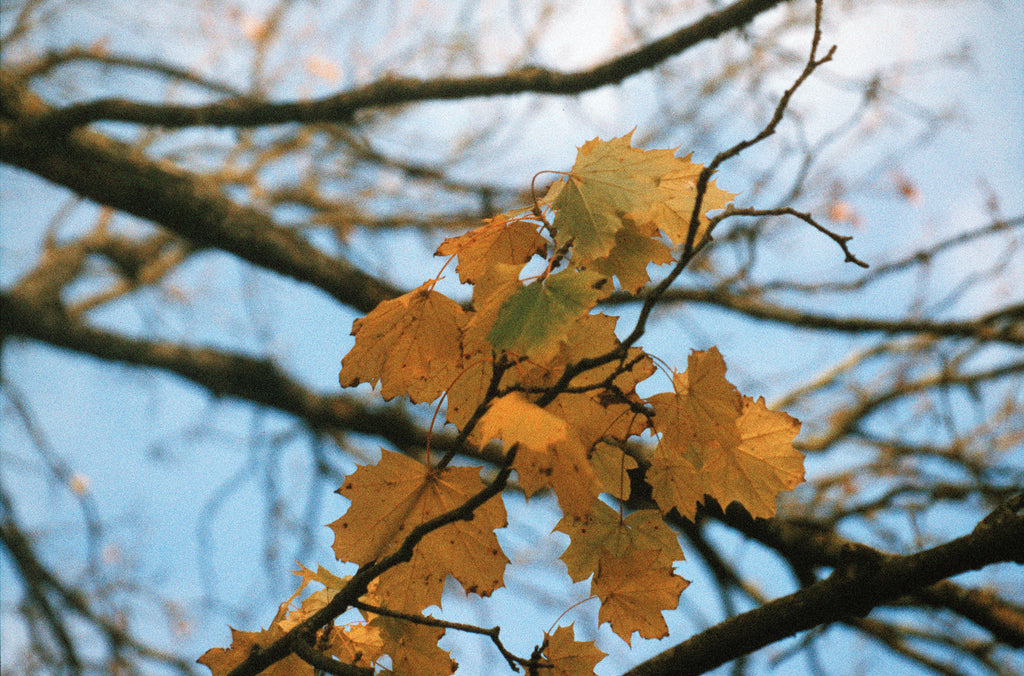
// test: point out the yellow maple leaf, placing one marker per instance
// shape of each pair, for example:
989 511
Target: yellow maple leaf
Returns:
672 210
700 416
674 482
413 648
629 257
411 344
761 466
397 494
549 455
357 644
602 535
611 465
515 420
592 415
470 388
497 241
221 661
634 590
569 657
716 442
608 179
311 604
489 294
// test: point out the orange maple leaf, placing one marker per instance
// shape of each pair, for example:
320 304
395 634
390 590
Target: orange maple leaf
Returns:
549 455
634 590
590 415
761 466
515 420
715 441
569 657
311 604
674 482
221 661
608 179
602 535
498 241
358 644
411 344
397 494
677 193
413 647
611 465
629 258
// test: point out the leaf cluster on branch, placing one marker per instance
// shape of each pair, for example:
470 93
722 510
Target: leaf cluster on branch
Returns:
530 366
537 383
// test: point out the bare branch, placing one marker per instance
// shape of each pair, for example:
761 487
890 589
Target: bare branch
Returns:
390 92
869 578
111 173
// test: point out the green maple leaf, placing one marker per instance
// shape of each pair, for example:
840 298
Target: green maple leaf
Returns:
534 319
609 179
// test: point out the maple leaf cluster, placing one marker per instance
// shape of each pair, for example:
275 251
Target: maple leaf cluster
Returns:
532 366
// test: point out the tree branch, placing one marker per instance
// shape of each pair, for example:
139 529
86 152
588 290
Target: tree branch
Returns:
388 92
112 173
222 373
1005 325
870 578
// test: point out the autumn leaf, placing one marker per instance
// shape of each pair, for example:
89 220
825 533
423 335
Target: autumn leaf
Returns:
221 661
536 318
603 535
609 179
357 644
332 584
548 454
566 470
411 344
715 441
489 294
498 241
397 494
592 336
413 647
674 482
569 657
677 193
515 420
763 465
591 420
700 415
629 258
611 465
634 590
469 389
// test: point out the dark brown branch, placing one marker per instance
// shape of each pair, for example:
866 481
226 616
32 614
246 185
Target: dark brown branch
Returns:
1004 620
868 579
428 621
222 373
841 240
240 112
1005 325
52 59
111 173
